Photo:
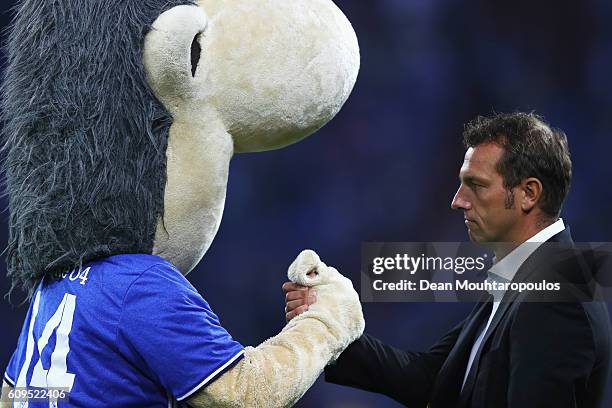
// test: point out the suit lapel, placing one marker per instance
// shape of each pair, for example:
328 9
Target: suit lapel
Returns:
450 377
466 392
526 269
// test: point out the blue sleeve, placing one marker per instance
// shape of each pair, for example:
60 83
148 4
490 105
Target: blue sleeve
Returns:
10 375
168 330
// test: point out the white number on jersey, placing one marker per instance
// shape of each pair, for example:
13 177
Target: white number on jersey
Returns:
57 376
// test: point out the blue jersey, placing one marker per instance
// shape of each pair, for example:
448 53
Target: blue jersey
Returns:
126 331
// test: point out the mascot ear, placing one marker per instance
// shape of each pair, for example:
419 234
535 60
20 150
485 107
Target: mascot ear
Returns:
172 52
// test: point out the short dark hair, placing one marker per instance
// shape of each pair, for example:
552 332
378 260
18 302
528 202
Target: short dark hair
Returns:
531 149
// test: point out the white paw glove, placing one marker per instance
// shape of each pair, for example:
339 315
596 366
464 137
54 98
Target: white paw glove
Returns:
337 306
277 373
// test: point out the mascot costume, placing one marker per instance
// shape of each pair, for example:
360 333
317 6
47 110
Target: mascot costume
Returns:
120 120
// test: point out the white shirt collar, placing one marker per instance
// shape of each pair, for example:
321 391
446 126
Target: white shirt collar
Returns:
505 269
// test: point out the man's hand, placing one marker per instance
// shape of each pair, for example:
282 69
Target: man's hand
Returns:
297 299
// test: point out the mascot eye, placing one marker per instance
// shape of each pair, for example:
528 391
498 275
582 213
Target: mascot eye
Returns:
196 51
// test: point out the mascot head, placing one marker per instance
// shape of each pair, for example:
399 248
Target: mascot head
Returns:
121 117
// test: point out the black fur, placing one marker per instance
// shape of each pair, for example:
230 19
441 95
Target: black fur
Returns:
84 137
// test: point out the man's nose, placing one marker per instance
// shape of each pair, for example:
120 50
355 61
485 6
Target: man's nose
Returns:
459 201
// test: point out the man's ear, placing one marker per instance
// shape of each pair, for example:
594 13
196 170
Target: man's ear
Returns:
172 52
531 192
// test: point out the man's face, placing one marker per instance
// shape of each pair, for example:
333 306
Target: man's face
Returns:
490 211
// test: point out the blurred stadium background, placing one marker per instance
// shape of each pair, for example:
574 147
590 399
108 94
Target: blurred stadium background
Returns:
386 168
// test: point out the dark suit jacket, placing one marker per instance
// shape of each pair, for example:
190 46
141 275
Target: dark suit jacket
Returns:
534 354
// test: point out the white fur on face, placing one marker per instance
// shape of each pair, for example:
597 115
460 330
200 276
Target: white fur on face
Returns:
271 72
198 163
277 70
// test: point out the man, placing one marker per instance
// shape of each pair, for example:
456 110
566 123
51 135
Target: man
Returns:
508 352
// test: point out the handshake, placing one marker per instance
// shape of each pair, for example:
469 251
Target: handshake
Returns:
319 291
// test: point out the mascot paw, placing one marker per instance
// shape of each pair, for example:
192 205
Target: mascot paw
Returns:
337 306
308 270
